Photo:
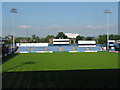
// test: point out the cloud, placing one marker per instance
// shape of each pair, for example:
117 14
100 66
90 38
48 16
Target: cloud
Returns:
67 28
81 27
89 27
95 26
84 30
25 26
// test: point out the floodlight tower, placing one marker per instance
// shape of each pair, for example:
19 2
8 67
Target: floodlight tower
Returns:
13 11
107 12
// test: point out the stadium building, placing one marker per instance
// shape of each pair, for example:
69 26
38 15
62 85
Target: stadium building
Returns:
61 41
72 35
117 47
86 43
111 44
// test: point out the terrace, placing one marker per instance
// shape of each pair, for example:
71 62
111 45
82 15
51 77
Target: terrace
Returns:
55 48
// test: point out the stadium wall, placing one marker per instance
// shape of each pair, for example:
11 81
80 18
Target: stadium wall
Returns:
32 44
86 43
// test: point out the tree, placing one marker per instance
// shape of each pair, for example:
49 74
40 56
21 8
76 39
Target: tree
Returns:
72 41
61 35
29 39
79 38
35 39
43 40
49 37
102 39
114 37
89 38
17 40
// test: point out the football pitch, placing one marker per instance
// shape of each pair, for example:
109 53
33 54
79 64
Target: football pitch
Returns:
61 61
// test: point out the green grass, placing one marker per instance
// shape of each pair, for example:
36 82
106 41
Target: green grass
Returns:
61 61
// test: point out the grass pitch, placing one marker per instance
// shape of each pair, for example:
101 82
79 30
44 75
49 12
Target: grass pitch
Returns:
61 61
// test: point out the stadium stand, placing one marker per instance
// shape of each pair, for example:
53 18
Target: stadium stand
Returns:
97 48
67 48
61 41
53 48
59 48
86 43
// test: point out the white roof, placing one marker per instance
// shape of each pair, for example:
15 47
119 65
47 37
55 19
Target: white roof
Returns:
71 35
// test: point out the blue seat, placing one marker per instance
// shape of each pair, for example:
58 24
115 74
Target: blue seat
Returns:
67 48
56 48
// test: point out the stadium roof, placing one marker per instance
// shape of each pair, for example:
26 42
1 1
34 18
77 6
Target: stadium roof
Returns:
72 35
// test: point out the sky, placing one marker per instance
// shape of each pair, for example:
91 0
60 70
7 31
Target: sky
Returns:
49 18
0 19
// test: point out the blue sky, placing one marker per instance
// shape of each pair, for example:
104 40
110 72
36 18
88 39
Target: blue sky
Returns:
0 19
85 18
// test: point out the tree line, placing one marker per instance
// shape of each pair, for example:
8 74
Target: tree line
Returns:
101 39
